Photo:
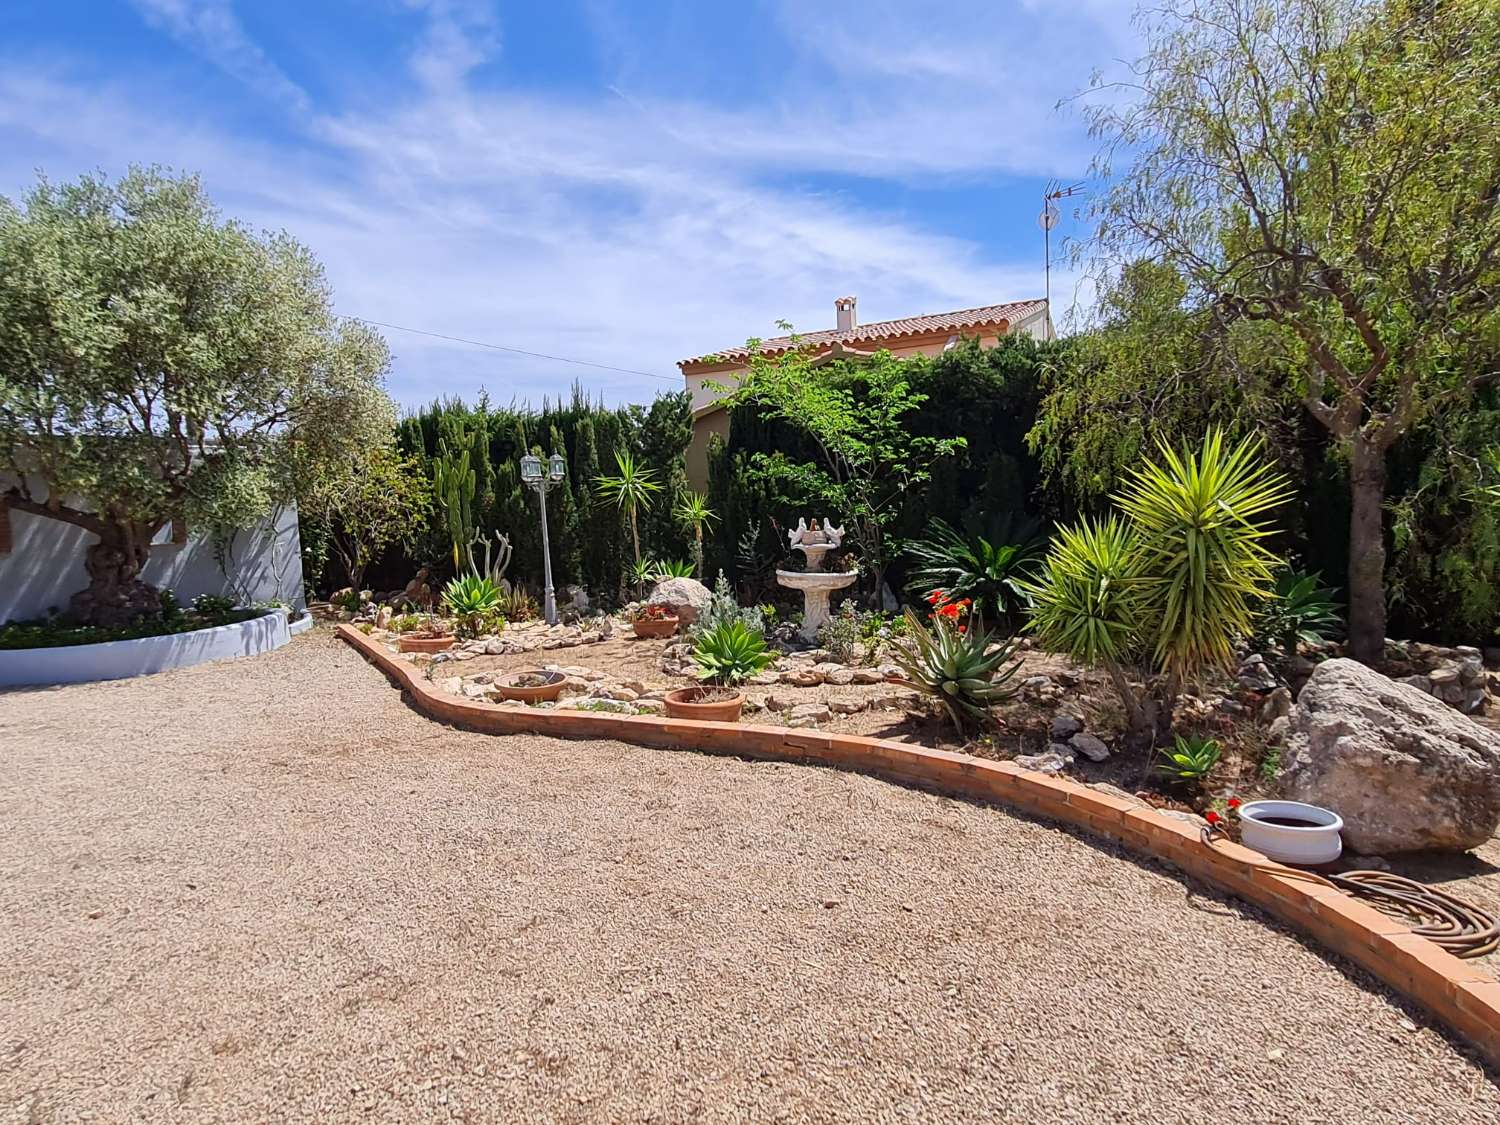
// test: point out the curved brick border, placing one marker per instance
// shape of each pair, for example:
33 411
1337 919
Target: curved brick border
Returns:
1462 995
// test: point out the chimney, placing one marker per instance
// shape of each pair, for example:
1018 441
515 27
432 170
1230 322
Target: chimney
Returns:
844 308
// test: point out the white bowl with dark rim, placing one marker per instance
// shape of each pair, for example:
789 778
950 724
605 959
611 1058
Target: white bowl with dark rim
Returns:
1291 832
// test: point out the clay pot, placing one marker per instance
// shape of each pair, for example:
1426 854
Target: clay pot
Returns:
506 688
646 627
409 643
683 704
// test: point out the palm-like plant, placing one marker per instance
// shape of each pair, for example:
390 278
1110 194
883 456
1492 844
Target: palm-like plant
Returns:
1177 581
1204 567
631 489
1301 608
692 509
955 666
988 573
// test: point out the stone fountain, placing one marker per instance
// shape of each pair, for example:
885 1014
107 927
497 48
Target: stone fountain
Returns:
816 584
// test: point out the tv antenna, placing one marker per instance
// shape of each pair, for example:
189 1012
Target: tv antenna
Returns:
1047 220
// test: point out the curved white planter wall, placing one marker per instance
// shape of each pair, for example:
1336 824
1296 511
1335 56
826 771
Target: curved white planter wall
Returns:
116 660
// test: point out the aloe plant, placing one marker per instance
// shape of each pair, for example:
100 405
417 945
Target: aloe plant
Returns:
967 670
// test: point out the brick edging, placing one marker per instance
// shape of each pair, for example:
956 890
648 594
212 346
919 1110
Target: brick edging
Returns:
1459 993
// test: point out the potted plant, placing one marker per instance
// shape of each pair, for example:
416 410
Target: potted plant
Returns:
432 636
654 621
727 655
533 685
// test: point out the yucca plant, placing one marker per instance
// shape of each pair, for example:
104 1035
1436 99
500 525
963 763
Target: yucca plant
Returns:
1204 567
991 574
1190 760
954 664
730 653
1300 608
1178 582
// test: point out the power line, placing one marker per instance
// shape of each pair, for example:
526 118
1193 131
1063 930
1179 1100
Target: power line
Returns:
517 351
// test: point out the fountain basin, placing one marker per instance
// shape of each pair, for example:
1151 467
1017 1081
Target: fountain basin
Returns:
816 587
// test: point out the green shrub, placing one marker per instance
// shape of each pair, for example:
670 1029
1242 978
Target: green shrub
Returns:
730 653
955 666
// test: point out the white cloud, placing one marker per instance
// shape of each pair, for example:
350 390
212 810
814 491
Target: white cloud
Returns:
211 29
630 231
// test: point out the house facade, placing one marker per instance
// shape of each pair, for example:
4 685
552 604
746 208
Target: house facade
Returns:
929 334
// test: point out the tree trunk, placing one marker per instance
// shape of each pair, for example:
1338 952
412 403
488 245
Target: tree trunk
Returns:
116 595
1366 551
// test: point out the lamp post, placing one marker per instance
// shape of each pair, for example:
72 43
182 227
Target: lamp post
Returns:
532 474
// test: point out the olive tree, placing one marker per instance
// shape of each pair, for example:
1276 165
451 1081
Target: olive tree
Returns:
1328 172
162 365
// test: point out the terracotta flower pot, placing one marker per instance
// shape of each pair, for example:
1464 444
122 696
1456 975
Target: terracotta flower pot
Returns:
506 687
423 644
683 704
655 627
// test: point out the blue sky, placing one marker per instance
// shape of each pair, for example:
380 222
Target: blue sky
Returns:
627 182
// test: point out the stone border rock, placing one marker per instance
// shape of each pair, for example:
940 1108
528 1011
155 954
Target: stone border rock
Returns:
119 660
1459 993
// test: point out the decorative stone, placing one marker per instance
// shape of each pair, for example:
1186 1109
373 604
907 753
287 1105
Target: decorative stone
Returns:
808 715
685 597
1405 772
1065 727
1089 746
1050 762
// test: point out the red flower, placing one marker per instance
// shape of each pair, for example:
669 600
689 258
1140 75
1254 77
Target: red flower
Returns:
1212 817
1234 802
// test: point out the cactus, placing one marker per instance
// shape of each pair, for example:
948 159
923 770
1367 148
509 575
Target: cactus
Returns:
453 481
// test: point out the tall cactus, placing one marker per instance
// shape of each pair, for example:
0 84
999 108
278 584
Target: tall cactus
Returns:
453 481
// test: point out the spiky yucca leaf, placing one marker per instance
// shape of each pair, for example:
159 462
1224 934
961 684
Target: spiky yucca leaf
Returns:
957 668
1086 601
1203 570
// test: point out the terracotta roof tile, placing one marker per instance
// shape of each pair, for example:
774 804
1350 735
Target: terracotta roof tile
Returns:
885 330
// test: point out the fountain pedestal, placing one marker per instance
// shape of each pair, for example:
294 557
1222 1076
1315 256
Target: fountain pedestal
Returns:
816 584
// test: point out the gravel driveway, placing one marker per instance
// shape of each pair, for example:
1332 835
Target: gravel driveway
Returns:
267 890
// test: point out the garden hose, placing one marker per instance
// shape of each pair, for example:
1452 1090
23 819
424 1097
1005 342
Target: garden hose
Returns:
1454 924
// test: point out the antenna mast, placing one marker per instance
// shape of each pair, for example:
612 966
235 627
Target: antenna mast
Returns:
1047 220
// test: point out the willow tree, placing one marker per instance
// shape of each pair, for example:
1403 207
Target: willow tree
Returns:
1327 169
161 365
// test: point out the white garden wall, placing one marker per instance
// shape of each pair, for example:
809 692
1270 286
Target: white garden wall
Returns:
44 567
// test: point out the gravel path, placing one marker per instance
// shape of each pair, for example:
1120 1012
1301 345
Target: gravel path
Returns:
267 890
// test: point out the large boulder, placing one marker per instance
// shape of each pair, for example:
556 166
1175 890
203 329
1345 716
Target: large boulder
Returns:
1405 771
686 597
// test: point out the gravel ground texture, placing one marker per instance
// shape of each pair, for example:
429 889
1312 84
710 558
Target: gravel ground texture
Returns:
268 890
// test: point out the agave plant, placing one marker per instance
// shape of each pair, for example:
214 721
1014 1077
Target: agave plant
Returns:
988 573
671 568
730 653
1302 609
469 594
1190 760
955 665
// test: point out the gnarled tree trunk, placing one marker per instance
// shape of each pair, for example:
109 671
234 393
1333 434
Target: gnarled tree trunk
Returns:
116 595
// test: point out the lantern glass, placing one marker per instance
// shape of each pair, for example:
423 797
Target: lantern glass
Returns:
558 466
531 468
